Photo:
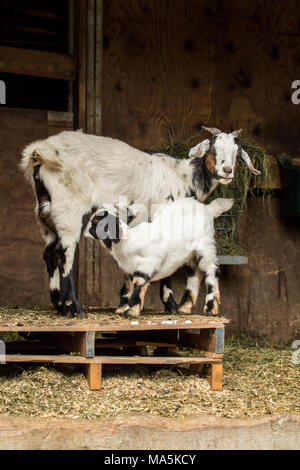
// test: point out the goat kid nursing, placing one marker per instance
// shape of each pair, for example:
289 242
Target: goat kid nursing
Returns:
179 233
74 174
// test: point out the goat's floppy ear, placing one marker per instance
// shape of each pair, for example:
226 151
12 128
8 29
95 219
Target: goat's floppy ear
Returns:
212 130
237 133
200 149
248 162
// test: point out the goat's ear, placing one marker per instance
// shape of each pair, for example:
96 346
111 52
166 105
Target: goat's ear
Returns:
248 162
237 133
200 149
212 130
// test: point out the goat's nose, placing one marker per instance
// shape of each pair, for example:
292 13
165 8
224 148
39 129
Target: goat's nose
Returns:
227 169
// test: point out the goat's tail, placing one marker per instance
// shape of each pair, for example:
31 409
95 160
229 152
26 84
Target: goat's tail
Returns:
40 153
220 205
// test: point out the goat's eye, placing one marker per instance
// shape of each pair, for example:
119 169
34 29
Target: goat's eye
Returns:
223 161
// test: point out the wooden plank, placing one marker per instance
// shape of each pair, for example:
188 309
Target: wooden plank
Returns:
216 376
89 251
92 325
82 343
94 376
62 359
37 63
80 50
209 341
106 343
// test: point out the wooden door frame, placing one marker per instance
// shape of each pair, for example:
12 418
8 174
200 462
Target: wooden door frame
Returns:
88 30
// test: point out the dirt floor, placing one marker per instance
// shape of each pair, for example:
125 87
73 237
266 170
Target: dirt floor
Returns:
259 379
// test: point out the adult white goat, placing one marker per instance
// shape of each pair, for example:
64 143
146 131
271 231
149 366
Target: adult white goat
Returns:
180 232
73 174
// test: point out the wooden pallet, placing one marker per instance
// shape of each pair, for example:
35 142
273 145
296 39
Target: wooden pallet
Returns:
74 342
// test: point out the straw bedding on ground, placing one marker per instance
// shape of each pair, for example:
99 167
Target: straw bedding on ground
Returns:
259 379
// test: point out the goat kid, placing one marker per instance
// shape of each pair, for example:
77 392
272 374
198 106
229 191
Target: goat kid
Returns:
73 174
180 232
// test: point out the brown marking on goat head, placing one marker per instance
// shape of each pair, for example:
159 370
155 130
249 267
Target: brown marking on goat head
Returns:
210 162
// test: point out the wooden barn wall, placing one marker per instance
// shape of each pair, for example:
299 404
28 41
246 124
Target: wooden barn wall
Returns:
175 65
23 278
178 64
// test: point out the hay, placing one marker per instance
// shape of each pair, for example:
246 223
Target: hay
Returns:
259 379
21 316
243 184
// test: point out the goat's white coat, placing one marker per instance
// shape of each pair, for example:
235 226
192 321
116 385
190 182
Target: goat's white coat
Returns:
142 250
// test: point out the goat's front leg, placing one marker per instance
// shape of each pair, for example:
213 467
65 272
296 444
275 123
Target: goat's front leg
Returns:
190 295
136 302
126 292
211 271
167 296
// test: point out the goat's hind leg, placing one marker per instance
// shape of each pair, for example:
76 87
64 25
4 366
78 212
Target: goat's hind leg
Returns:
190 295
211 271
126 292
167 296
136 302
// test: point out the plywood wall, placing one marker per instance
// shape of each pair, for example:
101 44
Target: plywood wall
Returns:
174 65
23 278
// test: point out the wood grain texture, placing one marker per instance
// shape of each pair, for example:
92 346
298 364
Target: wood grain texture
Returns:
202 432
94 376
90 50
23 279
174 65
61 359
37 63
196 322
157 72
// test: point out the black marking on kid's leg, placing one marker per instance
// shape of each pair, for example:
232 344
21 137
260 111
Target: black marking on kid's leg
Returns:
209 289
135 298
170 304
209 306
124 296
187 297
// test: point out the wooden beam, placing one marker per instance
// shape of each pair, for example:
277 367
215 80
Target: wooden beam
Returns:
94 376
37 63
196 322
62 359
214 374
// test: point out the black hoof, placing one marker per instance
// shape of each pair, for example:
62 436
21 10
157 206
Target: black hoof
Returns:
171 308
